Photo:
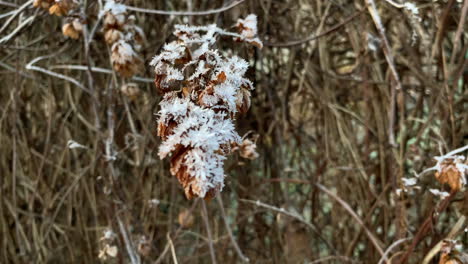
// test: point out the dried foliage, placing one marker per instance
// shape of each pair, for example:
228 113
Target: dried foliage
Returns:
58 8
203 91
352 100
124 37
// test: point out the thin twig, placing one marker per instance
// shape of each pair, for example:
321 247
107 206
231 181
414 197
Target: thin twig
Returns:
8 4
315 37
173 252
208 230
426 226
30 66
17 12
167 247
391 247
460 30
134 257
456 228
293 215
328 258
231 236
390 60
17 29
348 208
99 70
186 13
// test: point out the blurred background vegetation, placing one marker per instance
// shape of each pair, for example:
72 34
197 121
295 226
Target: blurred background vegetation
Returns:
327 109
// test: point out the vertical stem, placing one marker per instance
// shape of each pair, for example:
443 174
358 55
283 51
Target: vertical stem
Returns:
208 230
231 236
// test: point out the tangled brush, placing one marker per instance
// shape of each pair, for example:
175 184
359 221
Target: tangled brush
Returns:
203 91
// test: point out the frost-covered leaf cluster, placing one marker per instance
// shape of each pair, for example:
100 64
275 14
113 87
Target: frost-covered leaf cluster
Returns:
125 38
203 91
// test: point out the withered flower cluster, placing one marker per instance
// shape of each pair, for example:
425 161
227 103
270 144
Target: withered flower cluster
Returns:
120 32
451 169
55 7
124 37
204 91
73 27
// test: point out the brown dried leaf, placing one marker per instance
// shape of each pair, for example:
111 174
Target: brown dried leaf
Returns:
450 175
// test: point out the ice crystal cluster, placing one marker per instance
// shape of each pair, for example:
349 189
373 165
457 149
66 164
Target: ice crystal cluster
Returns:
203 91
125 38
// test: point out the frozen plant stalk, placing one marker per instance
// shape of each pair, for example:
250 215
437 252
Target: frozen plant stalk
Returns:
203 91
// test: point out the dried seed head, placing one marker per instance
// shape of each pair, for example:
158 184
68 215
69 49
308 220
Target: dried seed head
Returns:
185 218
130 90
124 59
247 29
248 150
144 246
115 15
73 29
108 251
61 7
126 38
114 20
77 25
45 4
112 36
451 171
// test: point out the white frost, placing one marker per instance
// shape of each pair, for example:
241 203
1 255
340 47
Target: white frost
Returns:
409 181
114 8
205 132
439 193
